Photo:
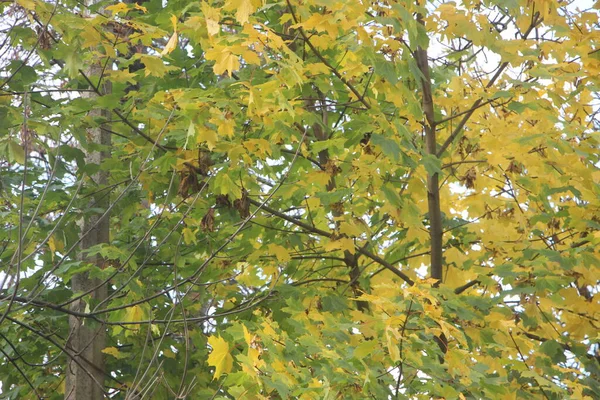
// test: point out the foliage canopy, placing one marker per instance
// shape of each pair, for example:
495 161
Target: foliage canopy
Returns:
307 199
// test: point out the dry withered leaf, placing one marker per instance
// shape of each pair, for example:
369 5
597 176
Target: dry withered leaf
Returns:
204 162
223 201
208 221
189 184
243 205
337 207
184 185
515 167
469 178
44 38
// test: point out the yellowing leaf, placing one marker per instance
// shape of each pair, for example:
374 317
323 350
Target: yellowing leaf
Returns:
91 37
392 346
225 61
172 43
52 245
113 351
29 4
154 66
226 128
350 229
191 133
133 314
117 8
55 244
189 236
219 357
212 18
280 252
342 244
169 353
16 152
207 135
365 348
141 8
319 177
247 335
243 9
228 187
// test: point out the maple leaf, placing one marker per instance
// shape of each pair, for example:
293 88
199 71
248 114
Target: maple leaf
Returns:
212 18
173 40
219 356
243 9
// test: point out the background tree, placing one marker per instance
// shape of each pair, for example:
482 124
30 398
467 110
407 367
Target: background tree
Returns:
316 199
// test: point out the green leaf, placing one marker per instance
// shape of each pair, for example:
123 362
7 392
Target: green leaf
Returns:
225 186
388 146
553 350
386 69
432 164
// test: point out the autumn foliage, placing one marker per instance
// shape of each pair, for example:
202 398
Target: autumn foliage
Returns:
317 199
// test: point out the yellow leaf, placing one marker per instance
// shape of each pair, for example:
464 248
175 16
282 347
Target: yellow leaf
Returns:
319 177
29 4
392 346
342 244
243 9
172 43
55 244
260 147
350 228
225 61
280 252
228 186
117 8
251 57
189 236
141 8
212 17
247 335
154 66
219 357
52 245
91 37
207 135
226 128
317 68
133 314
113 351
254 355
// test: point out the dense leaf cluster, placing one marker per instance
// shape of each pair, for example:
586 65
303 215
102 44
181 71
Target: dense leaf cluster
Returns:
307 199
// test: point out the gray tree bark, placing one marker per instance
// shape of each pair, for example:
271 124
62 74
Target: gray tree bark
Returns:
85 380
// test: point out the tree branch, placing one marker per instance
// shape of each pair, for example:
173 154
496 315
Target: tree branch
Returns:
323 233
324 61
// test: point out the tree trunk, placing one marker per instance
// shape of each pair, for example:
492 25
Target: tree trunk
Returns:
85 380
433 186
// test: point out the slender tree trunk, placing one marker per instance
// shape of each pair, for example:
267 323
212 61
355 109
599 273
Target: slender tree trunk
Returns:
87 340
433 185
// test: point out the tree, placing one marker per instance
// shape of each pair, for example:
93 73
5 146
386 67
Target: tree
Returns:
317 199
